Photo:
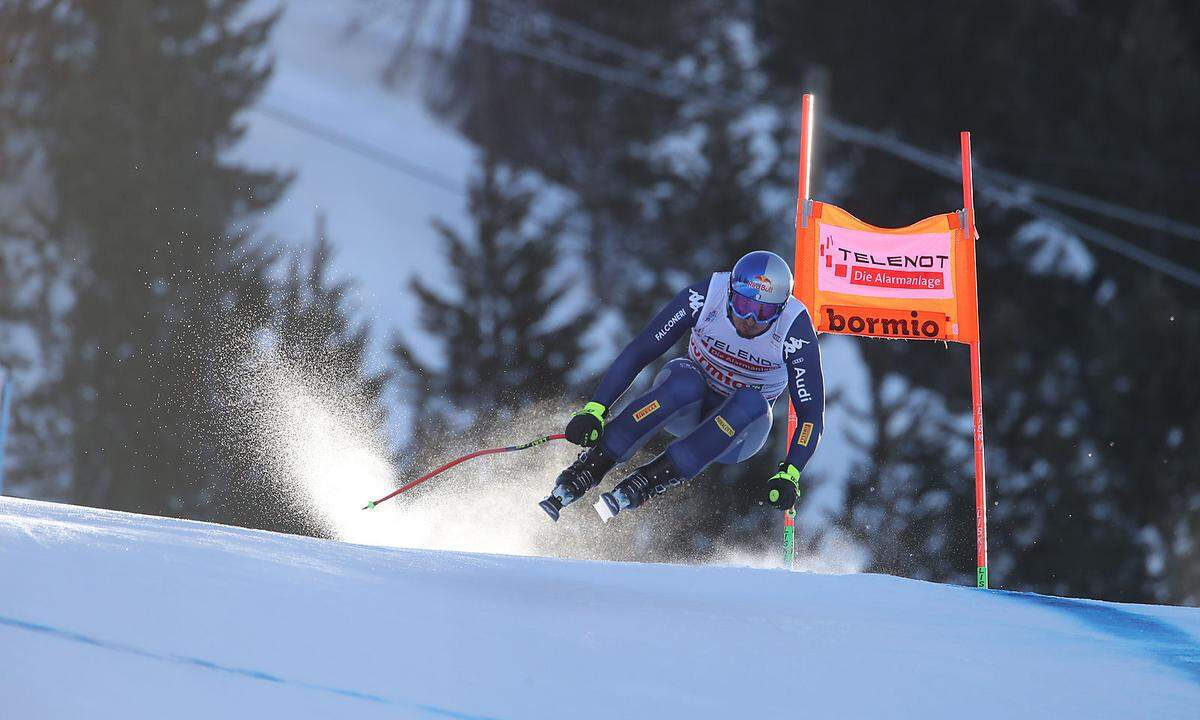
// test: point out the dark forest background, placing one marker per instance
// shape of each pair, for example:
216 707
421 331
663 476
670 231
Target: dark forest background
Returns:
663 135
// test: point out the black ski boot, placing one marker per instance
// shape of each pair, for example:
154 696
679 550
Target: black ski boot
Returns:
583 475
647 481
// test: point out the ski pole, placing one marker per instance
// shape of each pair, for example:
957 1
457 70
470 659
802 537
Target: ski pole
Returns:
464 458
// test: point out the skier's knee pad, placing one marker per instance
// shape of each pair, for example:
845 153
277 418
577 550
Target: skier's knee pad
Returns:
682 380
745 406
749 441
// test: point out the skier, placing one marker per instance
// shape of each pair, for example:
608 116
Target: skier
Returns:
750 340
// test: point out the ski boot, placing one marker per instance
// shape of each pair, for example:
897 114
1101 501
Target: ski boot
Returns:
645 482
583 475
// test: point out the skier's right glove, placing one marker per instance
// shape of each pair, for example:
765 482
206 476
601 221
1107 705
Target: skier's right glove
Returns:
783 489
586 425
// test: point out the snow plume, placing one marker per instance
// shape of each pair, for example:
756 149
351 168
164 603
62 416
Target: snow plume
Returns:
320 450
836 553
490 504
315 439
830 552
318 446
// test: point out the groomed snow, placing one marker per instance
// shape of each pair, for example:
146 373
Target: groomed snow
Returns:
114 615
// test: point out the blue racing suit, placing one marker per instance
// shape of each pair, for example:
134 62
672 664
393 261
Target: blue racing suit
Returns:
718 399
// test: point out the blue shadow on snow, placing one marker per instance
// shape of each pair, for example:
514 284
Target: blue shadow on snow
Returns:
1159 640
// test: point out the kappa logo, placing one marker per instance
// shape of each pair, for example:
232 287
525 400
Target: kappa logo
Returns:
640 415
793 344
805 434
725 426
695 301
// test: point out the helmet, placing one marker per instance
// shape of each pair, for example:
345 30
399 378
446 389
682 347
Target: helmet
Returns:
762 276
759 285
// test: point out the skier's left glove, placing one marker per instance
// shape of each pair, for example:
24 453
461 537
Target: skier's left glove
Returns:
586 425
783 489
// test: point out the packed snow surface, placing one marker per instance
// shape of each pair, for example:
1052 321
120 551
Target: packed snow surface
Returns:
113 615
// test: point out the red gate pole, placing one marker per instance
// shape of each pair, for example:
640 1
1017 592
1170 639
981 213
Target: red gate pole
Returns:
802 196
981 550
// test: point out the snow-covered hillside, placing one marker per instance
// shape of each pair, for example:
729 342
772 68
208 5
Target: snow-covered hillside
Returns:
379 218
113 615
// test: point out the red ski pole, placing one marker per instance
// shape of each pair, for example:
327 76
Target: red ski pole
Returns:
464 458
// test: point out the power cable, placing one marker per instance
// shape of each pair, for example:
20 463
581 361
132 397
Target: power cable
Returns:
510 44
843 131
351 144
1107 209
1062 196
931 161
950 170
1118 245
585 34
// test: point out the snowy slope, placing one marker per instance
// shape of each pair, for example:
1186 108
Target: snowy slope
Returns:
113 615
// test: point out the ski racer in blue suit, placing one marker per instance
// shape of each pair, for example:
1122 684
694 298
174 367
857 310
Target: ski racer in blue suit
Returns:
749 341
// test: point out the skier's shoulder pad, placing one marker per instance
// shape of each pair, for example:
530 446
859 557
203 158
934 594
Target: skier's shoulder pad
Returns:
797 306
696 295
800 331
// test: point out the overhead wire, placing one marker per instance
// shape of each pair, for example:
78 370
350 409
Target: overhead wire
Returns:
585 34
1079 201
950 170
987 179
363 149
509 43
1063 196
1116 244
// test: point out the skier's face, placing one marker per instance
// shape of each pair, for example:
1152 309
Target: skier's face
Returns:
748 327
749 315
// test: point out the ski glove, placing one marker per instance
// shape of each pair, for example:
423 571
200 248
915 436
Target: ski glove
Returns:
783 489
586 425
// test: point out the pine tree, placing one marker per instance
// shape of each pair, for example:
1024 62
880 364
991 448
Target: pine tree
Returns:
511 87
30 280
314 325
132 105
506 341
1084 378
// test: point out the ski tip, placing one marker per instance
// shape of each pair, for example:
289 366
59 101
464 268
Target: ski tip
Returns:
551 507
606 507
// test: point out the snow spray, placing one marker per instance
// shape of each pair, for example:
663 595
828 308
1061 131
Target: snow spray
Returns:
318 447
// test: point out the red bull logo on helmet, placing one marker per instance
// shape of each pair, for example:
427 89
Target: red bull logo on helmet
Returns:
761 283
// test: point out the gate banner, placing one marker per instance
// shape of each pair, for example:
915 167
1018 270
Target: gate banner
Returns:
913 283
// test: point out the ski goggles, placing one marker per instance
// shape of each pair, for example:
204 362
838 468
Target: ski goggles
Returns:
749 308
